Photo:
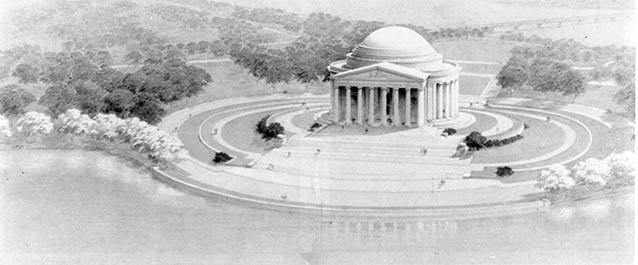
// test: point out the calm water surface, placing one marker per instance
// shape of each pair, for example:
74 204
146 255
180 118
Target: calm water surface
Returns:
78 207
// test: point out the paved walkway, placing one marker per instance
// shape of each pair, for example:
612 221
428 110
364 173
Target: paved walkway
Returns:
378 170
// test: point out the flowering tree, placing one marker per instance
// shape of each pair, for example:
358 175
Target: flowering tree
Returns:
107 125
34 123
5 126
73 121
622 165
591 172
555 178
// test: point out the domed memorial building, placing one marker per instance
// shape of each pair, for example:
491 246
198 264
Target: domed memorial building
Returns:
394 78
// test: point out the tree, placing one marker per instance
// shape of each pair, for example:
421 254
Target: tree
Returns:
89 96
74 122
119 102
135 57
26 73
627 97
622 165
555 178
5 127
34 123
147 107
514 73
58 98
591 172
13 100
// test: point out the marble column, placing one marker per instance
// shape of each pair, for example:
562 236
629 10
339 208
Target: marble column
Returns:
384 106
431 103
396 119
408 106
448 99
360 105
348 105
439 101
421 107
335 104
454 98
457 97
371 105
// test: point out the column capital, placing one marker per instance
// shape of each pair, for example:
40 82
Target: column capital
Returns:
384 88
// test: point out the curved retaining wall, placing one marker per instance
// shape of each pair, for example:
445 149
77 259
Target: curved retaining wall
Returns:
443 213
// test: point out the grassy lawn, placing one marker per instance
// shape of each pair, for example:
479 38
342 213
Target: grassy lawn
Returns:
304 120
540 138
601 97
480 68
472 85
474 50
241 134
483 122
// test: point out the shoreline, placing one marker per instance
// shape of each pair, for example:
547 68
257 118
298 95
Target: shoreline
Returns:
185 184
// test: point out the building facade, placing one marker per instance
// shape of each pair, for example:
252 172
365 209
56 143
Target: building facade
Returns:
394 78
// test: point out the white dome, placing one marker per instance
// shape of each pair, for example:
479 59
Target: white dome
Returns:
397 38
394 44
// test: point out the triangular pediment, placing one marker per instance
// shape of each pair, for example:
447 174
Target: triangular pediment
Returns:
383 72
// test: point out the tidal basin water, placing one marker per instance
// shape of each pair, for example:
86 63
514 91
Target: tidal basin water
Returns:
80 207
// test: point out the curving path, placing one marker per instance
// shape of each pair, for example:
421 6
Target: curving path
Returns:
343 175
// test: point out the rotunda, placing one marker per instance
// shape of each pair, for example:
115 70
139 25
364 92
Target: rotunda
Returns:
394 77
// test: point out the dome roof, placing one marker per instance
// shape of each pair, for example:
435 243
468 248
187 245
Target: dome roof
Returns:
398 39
398 45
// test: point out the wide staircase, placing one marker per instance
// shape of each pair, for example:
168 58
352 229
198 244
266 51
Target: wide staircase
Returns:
391 157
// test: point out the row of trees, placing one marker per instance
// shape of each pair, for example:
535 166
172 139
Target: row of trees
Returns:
141 136
76 80
540 74
591 172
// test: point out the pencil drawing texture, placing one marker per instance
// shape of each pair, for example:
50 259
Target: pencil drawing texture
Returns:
317 132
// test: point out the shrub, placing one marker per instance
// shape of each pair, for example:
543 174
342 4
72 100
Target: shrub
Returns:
221 157
504 171
449 131
269 131
525 126
475 141
506 141
314 126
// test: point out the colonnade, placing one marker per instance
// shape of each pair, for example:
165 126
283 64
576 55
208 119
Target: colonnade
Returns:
443 100
395 106
390 106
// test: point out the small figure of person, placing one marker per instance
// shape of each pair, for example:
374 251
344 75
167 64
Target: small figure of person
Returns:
214 132
288 154
318 151
441 183
548 118
190 115
271 166
366 131
343 127
470 104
